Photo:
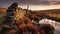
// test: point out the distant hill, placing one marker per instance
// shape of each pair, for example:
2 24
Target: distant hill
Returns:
2 12
54 11
50 13
2 9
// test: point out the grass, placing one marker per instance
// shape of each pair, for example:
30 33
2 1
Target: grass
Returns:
55 15
2 17
1 20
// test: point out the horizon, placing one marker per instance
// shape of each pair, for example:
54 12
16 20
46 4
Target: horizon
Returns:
39 7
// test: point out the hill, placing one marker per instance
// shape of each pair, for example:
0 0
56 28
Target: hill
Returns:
2 9
52 14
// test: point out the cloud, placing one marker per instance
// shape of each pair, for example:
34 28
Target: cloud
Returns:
32 2
38 2
4 3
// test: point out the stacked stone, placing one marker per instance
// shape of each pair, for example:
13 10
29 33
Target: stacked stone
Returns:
10 15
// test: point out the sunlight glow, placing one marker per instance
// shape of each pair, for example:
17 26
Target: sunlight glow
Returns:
41 7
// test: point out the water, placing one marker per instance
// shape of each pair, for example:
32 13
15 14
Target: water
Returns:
53 23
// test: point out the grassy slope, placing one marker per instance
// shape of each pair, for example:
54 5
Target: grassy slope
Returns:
2 17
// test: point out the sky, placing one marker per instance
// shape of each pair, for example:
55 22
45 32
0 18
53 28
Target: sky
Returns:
33 4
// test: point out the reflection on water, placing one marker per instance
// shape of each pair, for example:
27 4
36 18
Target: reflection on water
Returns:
48 21
53 23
